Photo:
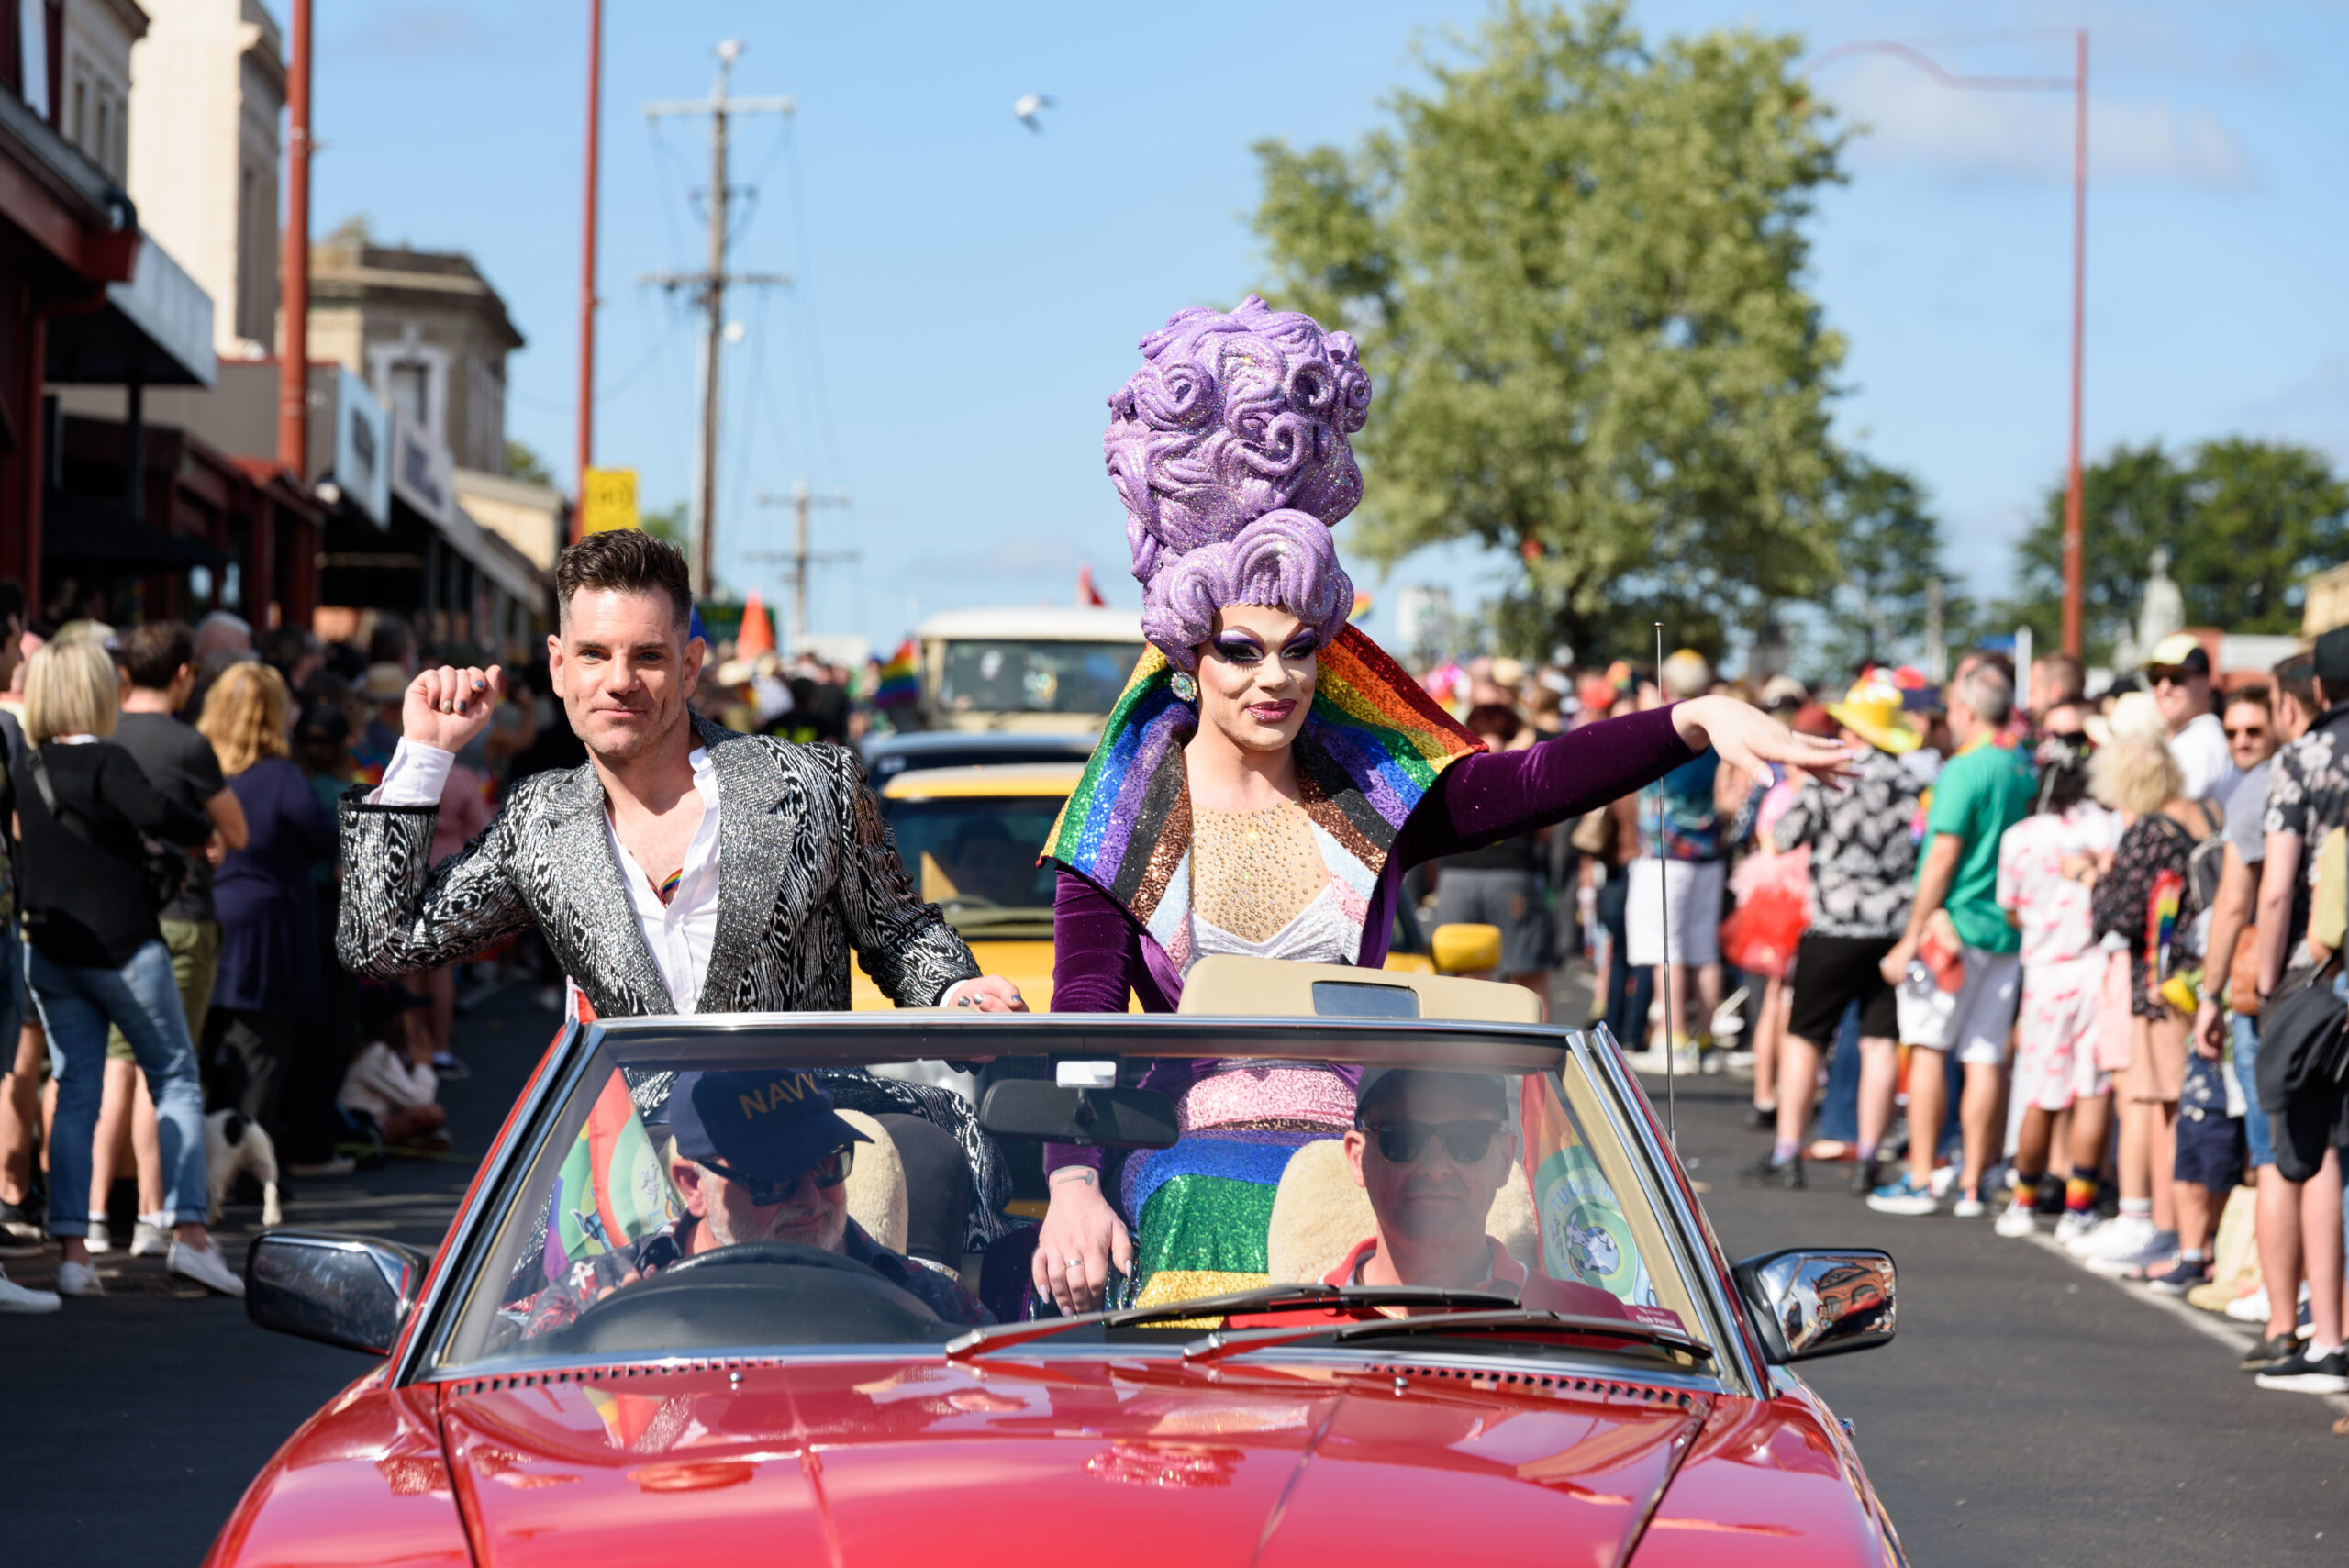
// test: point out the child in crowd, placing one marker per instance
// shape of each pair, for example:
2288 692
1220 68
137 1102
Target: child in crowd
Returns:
391 1082
2058 1076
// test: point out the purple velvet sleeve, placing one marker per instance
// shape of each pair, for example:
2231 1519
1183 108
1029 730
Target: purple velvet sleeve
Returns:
1096 951
1486 797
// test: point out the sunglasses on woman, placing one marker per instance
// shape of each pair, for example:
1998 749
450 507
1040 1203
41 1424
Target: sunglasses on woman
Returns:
829 1172
1402 1142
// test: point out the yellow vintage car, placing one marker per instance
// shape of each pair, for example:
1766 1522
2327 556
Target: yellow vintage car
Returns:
971 835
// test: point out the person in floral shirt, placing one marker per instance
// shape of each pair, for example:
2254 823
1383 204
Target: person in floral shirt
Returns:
2042 885
1863 863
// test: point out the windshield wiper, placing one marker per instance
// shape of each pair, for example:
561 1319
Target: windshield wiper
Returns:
1266 1299
1221 1342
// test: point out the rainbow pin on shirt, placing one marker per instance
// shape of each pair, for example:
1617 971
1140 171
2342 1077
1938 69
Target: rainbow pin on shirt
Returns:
667 889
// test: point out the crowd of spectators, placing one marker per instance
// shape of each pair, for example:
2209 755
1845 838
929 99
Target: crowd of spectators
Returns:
167 909
2068 961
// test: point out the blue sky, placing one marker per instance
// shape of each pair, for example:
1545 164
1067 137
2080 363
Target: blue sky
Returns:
968 291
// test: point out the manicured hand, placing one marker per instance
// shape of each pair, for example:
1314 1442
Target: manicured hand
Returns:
1081 1235
1751 740
447 706
987 993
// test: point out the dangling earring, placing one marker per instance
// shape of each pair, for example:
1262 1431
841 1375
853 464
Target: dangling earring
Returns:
1185 686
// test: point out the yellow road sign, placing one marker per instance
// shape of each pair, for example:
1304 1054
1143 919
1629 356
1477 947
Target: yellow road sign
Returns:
608 500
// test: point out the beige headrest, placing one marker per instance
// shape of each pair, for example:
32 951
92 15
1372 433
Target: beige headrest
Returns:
877 1183
1320 1215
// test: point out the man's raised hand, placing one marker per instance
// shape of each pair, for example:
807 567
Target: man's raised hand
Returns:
447 707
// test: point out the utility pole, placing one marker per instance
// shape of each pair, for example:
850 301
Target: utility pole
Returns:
294 353
710 287
802 501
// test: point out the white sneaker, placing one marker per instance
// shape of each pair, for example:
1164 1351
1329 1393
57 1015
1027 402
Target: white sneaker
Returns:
78 1279
2072 1231
206 1267
150 1238
2251 1309
2016 1219
2157 1247
100 1240
1944 1178
1969 1206
2128 1233
15 1297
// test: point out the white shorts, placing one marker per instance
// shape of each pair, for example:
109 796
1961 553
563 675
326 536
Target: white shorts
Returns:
1695 889
1974 1019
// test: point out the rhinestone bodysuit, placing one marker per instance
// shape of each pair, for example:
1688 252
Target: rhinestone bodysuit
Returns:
1259 887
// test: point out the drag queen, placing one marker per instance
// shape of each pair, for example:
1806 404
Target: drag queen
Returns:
1267 777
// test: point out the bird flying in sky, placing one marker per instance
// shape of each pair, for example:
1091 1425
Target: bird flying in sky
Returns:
1026 108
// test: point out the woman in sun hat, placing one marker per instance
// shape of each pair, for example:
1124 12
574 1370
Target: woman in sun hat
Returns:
1863 865
1269 773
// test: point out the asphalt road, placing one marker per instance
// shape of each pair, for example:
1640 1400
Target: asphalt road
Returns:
2029 1412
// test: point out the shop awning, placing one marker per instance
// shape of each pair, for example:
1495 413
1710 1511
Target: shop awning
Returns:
155 330
100 533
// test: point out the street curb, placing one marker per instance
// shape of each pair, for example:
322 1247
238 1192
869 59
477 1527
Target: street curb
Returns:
2210 1325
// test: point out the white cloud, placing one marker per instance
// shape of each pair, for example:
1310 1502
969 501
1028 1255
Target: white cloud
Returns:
1907 117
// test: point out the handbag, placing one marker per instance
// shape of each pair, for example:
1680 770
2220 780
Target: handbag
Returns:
2303 1037
166 868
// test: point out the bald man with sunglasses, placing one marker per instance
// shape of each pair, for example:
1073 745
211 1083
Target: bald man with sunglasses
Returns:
1431 1149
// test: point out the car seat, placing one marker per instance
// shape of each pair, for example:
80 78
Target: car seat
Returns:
877 1183
1320 1215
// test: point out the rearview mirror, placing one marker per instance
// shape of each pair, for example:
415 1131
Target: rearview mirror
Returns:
1093 1118
341 1290
1808 1305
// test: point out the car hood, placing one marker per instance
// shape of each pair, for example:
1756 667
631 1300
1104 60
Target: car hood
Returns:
1041 1462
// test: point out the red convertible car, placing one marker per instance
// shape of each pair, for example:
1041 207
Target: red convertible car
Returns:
607 1364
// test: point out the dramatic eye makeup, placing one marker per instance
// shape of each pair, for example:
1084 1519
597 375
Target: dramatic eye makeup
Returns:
1239 648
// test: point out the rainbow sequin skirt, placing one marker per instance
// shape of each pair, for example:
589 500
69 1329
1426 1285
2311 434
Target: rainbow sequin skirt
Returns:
1204 1207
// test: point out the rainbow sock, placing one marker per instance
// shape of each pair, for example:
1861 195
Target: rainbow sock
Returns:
1783 1150
2079 1193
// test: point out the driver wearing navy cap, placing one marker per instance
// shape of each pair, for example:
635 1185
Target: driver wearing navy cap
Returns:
760 1156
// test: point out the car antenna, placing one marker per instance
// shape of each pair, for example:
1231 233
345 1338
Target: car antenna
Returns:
1663 913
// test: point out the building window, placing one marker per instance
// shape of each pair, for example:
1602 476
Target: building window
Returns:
411 391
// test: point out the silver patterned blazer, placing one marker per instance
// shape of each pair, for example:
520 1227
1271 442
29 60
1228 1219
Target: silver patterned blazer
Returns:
806 869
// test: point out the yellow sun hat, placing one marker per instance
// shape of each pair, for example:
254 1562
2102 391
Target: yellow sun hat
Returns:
1871 709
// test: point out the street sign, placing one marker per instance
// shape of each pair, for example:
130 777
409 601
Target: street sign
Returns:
608 500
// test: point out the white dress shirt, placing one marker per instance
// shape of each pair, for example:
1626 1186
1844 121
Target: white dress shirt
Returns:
681 932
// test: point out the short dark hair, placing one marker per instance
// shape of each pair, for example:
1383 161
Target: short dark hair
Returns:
2066 671
2256 695
155 653
2296 678
625 560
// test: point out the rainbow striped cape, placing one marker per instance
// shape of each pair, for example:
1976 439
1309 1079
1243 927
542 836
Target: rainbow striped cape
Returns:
1369 753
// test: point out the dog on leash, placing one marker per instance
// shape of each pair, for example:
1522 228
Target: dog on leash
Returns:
233 1143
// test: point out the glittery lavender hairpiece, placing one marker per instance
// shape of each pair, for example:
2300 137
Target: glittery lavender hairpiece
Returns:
1230 418
1283 559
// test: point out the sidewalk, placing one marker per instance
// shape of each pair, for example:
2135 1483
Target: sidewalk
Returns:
135 1422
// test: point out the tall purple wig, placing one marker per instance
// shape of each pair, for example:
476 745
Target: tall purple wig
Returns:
1283 559
1232 420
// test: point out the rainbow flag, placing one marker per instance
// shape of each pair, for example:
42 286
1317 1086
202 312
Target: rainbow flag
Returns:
612 1191
900 679
1584 1236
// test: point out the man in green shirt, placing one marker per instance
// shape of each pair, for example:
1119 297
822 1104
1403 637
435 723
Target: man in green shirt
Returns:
1983 790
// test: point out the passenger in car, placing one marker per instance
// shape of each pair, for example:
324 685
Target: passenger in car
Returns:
761 1157
1431 1148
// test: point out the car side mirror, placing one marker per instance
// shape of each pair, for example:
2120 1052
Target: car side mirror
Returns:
1808 1305
1092 1119
350 1291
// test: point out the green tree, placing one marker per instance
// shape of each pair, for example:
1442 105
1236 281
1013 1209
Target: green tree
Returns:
672 524
1573 265
1887 547
523 462
2242 521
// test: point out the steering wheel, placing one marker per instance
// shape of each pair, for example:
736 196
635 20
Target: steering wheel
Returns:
782 1254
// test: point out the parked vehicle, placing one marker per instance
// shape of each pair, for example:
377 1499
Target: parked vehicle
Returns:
1032 667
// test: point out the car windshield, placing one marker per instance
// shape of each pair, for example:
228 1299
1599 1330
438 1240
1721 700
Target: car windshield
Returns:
975 857
1005 676
796 1186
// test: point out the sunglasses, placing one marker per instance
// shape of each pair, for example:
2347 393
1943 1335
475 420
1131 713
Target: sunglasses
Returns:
2248 733
1402 1142
2169 677
829 1172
